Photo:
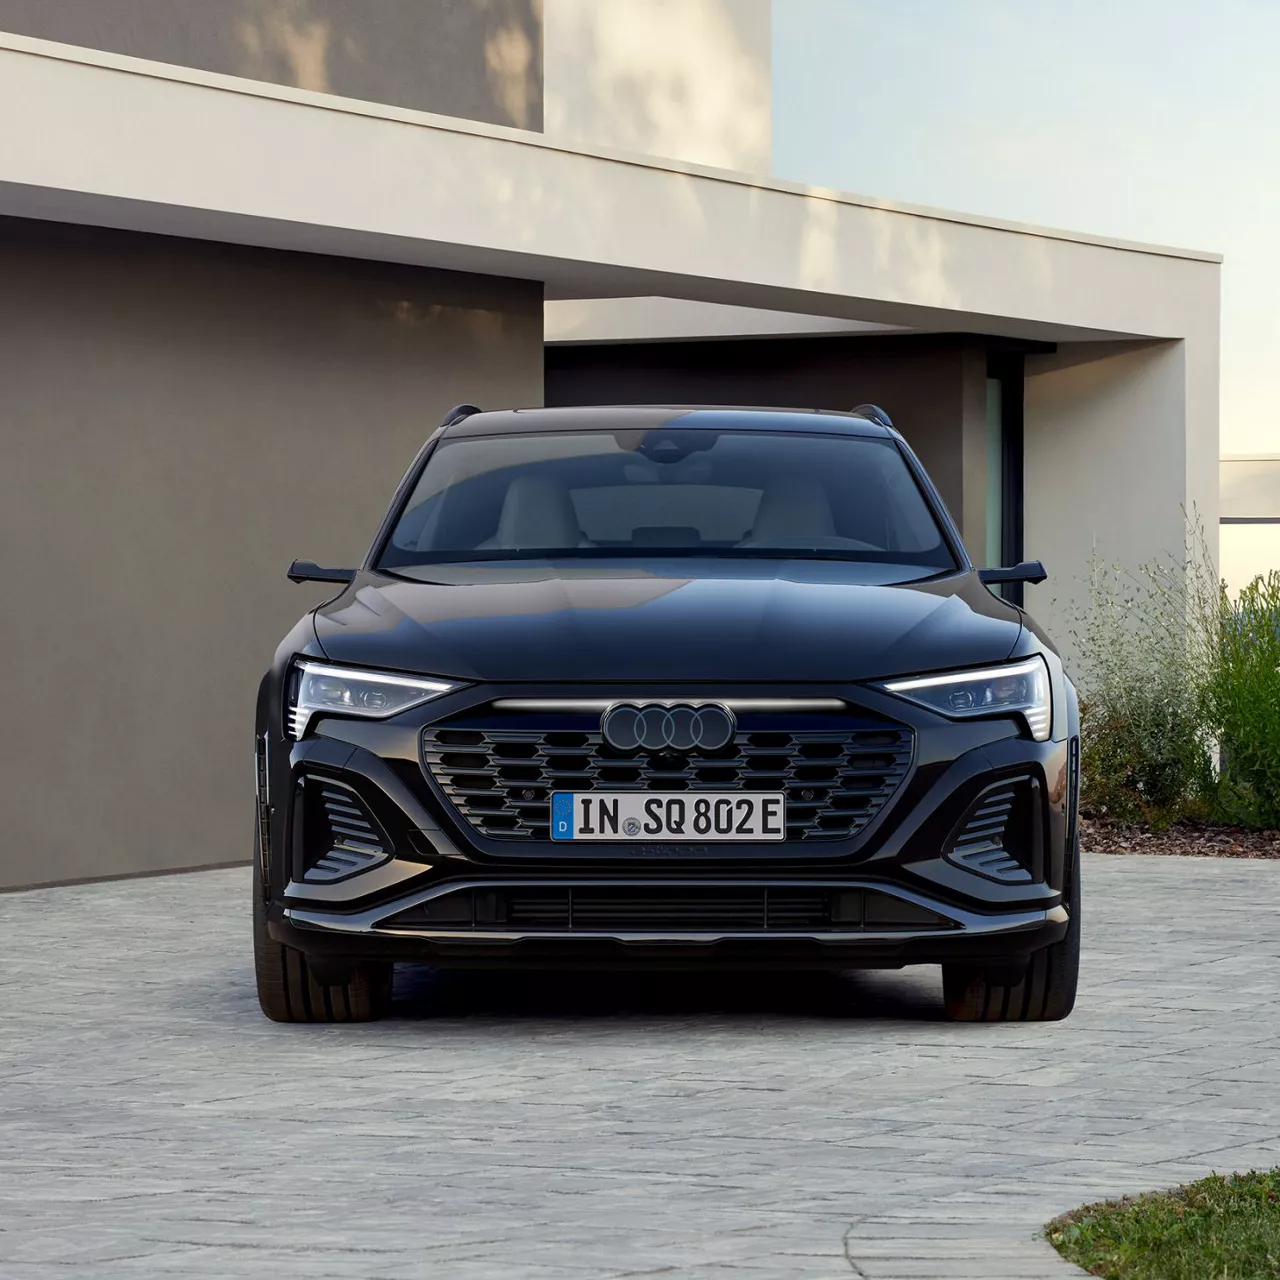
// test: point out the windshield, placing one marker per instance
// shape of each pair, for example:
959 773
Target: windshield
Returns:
668 492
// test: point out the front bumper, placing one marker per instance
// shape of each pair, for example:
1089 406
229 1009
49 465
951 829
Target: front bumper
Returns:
932 907
399 929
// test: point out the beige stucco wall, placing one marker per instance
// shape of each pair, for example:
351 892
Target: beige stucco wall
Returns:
1120 441
287 168
678 319
479 59
686 79
177 422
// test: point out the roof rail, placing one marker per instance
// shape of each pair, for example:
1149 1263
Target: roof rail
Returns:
458 412
874 413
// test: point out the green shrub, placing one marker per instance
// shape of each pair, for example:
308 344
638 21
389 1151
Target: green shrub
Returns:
1244 705
1141 643
1179 695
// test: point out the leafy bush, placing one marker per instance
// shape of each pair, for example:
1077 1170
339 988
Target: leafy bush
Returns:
1141 643
1244 705
1180 695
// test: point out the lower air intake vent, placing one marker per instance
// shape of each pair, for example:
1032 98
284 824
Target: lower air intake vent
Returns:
342 836
996 837
645 908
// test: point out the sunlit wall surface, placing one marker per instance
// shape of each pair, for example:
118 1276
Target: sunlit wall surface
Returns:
684 79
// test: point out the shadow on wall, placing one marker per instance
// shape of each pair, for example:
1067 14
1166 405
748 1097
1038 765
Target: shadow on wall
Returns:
404 49
478 59
687 79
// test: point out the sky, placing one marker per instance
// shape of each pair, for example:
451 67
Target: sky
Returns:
1144 120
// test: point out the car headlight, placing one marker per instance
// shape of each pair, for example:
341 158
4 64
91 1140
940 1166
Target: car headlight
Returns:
317 688
1020 688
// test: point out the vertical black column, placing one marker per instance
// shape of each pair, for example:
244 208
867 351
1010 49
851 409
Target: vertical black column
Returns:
1008 367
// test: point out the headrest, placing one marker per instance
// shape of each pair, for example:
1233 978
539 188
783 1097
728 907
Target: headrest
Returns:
793 506
537 512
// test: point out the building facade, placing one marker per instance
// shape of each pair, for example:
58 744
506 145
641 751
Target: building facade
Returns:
251 251
1250 517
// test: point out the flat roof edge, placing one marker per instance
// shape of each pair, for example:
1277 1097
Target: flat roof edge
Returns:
130 65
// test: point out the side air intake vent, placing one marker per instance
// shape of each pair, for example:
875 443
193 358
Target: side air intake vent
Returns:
262 784
996 837
1073 788
342 836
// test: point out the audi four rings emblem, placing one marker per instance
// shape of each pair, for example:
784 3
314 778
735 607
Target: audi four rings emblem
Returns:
654 726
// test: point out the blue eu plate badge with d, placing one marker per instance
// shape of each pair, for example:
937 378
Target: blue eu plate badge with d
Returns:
562 816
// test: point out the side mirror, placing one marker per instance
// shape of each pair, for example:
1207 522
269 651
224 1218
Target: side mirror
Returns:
1027 571
305 571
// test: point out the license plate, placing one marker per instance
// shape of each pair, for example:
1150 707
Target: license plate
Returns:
668 816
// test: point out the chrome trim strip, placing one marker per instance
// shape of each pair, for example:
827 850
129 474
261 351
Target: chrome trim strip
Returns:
967 922
735 704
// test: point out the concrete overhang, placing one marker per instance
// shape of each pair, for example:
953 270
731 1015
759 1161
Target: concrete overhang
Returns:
115 141
613 320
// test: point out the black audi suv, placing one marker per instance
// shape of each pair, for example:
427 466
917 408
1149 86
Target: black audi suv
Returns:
669 688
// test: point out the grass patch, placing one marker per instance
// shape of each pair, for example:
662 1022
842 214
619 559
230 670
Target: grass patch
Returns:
1220 1228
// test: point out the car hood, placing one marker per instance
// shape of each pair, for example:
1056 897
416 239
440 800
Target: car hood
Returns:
704 621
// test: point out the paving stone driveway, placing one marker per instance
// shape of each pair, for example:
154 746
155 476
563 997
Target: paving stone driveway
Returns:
153 1124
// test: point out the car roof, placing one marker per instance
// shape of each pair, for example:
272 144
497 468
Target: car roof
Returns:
615 417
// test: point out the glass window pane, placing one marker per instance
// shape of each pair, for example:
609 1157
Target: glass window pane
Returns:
669 489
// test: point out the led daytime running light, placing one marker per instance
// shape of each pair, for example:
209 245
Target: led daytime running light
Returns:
318 688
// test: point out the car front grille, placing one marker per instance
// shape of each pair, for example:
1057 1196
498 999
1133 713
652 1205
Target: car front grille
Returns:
500 778
693 908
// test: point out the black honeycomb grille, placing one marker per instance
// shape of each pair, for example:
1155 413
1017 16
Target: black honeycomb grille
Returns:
501 780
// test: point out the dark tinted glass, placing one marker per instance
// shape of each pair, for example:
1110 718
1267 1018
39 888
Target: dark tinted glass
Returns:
668 492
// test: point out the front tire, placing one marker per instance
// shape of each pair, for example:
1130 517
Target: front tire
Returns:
289 990
1045 993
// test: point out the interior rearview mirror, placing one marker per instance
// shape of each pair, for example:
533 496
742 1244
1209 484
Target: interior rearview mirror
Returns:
305 571
1027 571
